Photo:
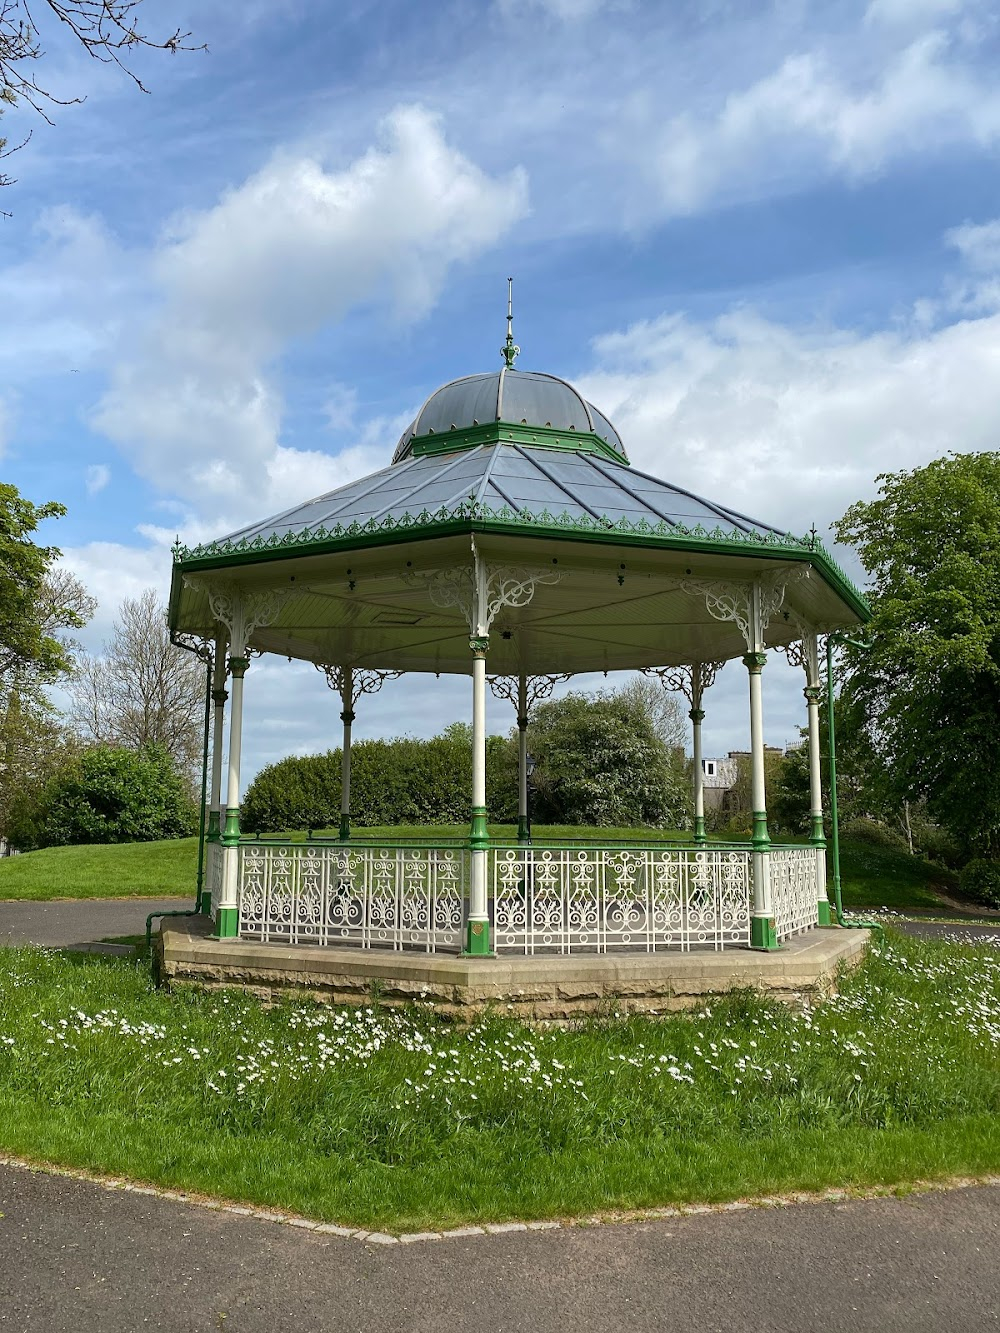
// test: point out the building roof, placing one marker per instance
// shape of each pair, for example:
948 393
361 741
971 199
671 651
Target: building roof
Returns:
513 397
514 479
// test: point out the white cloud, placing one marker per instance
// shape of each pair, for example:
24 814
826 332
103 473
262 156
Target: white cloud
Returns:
979 245
791 425
566 11
294 248
98 476
814 116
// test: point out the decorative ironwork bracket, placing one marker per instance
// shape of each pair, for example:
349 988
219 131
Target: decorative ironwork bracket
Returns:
751 605
482 590
691 680
241 611
352 682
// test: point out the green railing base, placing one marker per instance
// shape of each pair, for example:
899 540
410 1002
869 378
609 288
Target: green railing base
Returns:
763 933
477 940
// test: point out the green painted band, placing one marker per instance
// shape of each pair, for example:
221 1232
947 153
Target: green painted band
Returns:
477 518
227 923
763 933
477 939
231 833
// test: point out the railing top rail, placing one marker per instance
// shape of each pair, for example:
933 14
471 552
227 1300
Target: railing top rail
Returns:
511 844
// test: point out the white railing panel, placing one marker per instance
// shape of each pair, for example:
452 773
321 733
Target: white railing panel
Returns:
213 873
396 898
795 890
566 900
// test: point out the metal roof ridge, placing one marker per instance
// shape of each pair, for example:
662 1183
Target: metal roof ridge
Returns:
755 526
434 475
627 489
600 518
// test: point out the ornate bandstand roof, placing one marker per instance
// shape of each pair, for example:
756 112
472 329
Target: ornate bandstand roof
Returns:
520 467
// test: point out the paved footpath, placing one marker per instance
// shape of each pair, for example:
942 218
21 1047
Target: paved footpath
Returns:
74 1256
83 921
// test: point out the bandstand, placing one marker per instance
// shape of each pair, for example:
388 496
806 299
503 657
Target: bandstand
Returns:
510 540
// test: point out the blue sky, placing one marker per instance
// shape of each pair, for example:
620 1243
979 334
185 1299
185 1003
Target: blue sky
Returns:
764 239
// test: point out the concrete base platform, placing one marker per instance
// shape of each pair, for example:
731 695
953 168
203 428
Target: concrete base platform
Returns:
540 987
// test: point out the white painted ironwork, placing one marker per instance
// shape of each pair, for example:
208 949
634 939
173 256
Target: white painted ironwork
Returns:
794 890
480 590
395 898
595 899
213 873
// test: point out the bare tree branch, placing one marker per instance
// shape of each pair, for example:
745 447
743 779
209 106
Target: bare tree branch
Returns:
143 690
108 30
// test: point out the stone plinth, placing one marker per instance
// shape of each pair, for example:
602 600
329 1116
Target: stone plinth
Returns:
545 986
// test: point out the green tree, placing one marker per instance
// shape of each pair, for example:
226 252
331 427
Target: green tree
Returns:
600 761
110 794
928 691
36 601
34 746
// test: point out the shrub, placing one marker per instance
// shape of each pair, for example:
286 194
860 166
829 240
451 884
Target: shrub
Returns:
980 879
601 762
400 781
873 833
110 794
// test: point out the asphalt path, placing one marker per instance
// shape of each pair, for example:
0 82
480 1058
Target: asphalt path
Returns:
75 1256
62 925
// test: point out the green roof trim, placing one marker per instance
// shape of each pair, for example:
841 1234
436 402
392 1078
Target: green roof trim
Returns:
511 432
470 517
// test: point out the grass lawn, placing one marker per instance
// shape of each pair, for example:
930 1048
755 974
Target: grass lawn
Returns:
119 870
883 877
872 876
391 1119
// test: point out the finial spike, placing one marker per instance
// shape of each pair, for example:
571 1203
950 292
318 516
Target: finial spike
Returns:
510 351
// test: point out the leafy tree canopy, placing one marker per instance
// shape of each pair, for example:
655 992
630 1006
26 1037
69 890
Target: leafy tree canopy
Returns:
602 761
929 689
110 794
35 601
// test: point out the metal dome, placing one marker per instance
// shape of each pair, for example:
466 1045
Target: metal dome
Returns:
514 397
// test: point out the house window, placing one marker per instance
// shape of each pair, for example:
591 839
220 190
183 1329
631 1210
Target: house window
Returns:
709 765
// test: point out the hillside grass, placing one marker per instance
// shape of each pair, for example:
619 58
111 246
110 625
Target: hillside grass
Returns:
872 876
396 1119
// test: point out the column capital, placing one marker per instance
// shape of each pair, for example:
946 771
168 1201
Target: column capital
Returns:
697 715
813 693
479 645
347 717
219 697
522 723
238 666
755 662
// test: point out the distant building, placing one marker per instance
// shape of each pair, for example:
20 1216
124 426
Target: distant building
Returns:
719 776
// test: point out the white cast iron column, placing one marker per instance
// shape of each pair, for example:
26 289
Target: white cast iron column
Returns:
763 932
478 937
813 694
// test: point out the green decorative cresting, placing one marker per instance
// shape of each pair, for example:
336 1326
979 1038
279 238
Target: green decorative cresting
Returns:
512 432
470 516
763 933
